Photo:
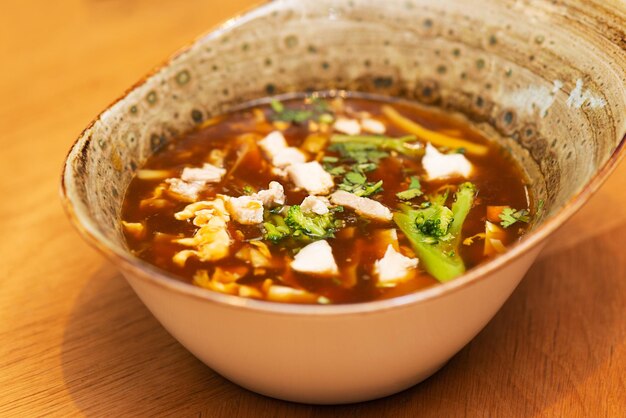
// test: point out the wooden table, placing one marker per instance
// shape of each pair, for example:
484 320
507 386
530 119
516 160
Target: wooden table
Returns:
75 340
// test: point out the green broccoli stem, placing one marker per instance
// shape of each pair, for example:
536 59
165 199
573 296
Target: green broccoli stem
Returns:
435 258
440 259
464 201
383 142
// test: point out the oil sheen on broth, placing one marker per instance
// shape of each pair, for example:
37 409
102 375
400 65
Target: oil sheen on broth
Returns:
321 199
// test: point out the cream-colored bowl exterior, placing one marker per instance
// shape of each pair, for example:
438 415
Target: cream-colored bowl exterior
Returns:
328 358
547 80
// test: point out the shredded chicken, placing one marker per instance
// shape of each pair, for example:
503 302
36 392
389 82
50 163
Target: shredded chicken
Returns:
363 206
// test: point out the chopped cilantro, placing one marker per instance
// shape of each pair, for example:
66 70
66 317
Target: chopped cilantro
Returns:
358 152
355 159
367 167
355 177
286 114
409 194
414 190
248 190
335 171
356 183
370 189
277 106
415 183
509 216
381 142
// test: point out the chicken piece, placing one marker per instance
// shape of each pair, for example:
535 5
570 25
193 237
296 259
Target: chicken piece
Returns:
311 177
373 126
288 156
441 166
347 126
207 174
281 155
315 204
245 209
185 191
363 206
272 144
316 259
393 267
273 196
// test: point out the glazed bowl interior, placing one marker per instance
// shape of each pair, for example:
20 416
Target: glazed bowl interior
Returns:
546 86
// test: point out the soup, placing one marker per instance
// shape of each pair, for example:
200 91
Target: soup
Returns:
325 199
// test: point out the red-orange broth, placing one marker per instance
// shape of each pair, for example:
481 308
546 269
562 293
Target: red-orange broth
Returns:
357 242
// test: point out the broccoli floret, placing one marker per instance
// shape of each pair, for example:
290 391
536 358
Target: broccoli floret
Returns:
322 226
276 228
434 221
275 233
434 231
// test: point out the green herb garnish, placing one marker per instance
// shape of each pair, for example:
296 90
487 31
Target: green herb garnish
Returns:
277 106
356 183
357 152
414 190
317 112
335 171
381 142
509 216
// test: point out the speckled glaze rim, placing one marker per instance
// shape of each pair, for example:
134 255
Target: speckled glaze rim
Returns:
156 276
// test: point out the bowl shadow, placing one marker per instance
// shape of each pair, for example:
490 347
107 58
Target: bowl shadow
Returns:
119 361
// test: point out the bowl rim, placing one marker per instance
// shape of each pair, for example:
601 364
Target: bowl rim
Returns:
156 276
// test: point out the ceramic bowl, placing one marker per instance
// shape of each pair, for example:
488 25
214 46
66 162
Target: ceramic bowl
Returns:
544 79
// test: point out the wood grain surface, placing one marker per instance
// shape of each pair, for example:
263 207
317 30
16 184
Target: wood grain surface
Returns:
75 340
